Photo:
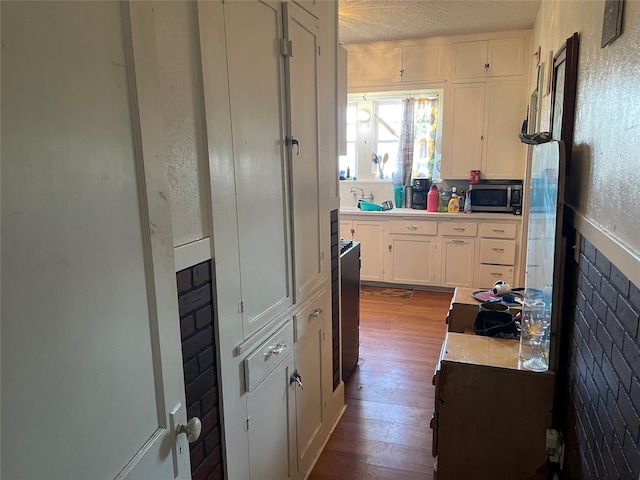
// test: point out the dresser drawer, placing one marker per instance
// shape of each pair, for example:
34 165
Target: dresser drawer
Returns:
490 274
413 227
459 229
268 356
497 252
498 230
316 308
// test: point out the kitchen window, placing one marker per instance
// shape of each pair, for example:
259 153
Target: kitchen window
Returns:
374 125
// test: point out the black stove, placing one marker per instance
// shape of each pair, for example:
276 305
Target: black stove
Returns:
346 245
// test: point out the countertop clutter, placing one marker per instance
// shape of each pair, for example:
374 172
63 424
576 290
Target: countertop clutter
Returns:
410 212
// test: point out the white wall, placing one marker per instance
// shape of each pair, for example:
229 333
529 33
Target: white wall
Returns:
176 28
606 151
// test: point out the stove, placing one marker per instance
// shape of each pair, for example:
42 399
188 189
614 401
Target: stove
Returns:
350 305
346 245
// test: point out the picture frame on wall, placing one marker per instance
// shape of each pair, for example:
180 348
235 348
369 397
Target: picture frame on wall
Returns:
612 21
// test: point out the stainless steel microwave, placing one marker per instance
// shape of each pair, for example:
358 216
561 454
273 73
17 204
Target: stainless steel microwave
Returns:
499 196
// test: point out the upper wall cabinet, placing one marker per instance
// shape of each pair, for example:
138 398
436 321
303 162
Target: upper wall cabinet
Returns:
301 29
395 62
501 57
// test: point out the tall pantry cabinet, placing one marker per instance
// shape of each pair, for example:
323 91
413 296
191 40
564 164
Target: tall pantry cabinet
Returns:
262 76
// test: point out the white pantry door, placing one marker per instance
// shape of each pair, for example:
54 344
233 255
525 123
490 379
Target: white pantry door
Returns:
91 362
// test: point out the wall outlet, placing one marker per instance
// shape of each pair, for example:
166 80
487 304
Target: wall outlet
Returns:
555 447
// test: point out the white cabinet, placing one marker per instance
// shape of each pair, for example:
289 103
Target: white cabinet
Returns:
500 57
346 229
481 126
370 236
458 260
259 159
301 29
269 422
411 252
498 249
396 62
458 253
423 63
313 359
463 130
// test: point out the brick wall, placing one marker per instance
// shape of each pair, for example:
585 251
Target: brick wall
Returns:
600 380
200 374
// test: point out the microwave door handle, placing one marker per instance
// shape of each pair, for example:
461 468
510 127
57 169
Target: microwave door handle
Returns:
509 196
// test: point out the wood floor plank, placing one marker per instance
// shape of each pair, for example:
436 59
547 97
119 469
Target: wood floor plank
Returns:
384 433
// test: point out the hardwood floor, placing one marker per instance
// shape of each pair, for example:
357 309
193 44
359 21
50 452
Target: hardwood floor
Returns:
384 433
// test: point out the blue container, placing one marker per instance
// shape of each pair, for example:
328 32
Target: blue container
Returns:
398 192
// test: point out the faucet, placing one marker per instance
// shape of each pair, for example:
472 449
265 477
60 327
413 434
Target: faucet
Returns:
354 190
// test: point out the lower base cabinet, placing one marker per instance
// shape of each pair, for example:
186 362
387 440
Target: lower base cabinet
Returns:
308 396
458 259
270 425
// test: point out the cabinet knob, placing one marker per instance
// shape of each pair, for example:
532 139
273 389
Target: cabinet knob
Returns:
486 66
389 247
316 313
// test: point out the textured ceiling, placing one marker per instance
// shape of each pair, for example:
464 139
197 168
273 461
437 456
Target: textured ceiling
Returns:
382 20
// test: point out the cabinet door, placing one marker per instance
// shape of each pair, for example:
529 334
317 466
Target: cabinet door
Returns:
309 399
468 60
380 67
346 229
423 63
370 236
410 259
301 28
463 130
458 257
505 57
504 154
257 115
270 425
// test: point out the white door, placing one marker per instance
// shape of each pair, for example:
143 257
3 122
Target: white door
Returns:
91 362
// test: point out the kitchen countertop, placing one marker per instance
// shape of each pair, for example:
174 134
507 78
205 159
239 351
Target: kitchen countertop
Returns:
413 213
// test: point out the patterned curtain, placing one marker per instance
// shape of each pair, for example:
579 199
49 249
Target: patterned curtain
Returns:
405 145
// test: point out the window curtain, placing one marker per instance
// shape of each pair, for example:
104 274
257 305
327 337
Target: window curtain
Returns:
404 166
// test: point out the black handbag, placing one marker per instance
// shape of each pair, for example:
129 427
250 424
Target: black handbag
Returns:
496 324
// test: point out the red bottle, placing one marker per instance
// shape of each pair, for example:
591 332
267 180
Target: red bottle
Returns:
433 199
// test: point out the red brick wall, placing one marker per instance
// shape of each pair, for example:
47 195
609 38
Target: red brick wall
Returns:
200 373
600 392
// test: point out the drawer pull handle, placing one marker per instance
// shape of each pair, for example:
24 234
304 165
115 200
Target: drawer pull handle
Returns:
459 242
276 349
496 274
497 249
411 227
459 229
498 230
316 313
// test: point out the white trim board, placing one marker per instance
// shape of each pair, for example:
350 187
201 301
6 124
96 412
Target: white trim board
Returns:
191 254
625 259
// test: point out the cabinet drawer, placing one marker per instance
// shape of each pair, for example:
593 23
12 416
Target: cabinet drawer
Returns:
412 227
314 309
490 274
497 252
268 356
498 230
459 229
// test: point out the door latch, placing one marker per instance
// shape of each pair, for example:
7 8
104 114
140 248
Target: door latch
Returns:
297 378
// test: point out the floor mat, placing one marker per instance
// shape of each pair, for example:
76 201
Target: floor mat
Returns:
386 292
